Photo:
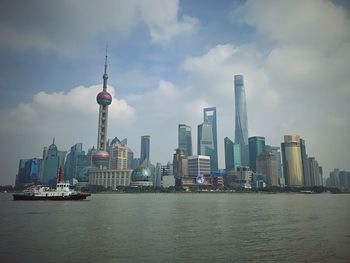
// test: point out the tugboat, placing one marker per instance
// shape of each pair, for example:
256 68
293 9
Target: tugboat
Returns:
61 193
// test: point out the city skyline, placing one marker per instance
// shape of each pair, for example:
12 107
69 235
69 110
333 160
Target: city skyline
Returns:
296 83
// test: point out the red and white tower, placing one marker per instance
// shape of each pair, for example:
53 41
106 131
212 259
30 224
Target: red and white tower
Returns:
104 99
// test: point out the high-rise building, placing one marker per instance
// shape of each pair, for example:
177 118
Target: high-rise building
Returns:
104 99
292 164
275 150
314 170
76 160
209 115
51 165
28 172
185 139
199 165
232 155
180 166
118 158
130 157
145 148
241 119
304 160
205 142
256 147
266 164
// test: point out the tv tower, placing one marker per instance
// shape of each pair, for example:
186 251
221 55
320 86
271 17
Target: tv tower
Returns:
104 99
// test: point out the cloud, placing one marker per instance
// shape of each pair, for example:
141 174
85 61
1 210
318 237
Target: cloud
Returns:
71 117
297 83
67 26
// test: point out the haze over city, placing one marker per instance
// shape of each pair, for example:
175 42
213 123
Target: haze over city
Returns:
167 61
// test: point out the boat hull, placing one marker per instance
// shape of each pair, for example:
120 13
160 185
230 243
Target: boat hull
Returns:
80 196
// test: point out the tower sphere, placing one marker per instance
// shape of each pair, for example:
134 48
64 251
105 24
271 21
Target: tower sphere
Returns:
104 98
100 155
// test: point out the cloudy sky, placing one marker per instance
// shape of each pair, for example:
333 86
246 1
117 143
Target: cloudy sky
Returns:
168 60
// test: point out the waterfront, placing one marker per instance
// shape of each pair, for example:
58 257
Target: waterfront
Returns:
178 228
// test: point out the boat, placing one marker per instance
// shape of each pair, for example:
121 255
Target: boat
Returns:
62 192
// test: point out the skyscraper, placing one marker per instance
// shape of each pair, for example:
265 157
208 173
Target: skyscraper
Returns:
145 148
241 119
256 147
205 142
232 155
185 139
209 115
305 163
292 164
104 99
76 161
51 165
266 164
276 152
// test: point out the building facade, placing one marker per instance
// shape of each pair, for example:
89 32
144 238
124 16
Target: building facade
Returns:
209 115
232 155
266 164
305 163
51 161
110 179
256 147
241 119
292 164
199 165
76 161
185 139
145 148
205 141
275 150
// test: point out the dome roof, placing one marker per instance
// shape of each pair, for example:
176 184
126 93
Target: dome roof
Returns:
100 155
141 174
104 98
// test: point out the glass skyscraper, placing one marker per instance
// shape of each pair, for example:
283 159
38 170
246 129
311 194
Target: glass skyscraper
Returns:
256 147
292 163
145 148
304 160
232 155
241 119
205 142
209 115
185 139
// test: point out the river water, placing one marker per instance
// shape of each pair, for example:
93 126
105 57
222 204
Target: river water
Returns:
177 228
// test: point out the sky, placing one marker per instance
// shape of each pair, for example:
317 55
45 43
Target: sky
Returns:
167 60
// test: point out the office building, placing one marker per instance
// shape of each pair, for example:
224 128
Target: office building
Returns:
205 142
180 166
199 165
209 115
275 150
185 139
76 161
232 155
145 148
256 147
28 172
304 160
110 179
266 164
241 119
292 164
118 158
314 170
51 161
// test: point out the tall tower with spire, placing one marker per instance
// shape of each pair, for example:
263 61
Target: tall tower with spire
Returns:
104 99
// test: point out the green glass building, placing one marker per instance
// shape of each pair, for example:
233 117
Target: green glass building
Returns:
232 155
256 147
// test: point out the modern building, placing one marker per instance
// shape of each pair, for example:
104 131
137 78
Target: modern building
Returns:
180 166
292 163
241 119
28 172
241 178
266 164
209 115
145 148
199 165
185 139
232 155
118 155
168 181
314 170
130 158
256 147
339 179
205 142
101 157
110 179
76 161
141 176
275 150
162 170
305 162
51 161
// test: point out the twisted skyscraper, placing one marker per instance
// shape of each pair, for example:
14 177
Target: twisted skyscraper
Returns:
241 120
104 99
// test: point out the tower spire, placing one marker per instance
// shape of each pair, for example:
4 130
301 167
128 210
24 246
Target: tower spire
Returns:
105 75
